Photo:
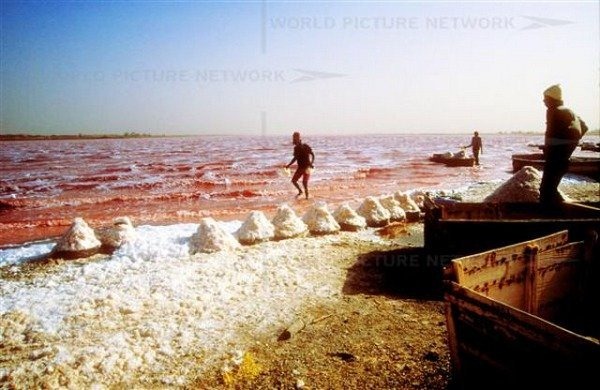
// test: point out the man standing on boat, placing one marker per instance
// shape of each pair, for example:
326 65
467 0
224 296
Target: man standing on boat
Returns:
304 157
564 129
476 146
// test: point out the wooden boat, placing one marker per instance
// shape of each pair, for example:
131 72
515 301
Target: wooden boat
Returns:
523 316
586 166
593 147
452 161
455 228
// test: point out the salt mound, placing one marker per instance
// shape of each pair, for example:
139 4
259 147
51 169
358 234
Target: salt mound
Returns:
375 214
320 220
256 228
210 237
406 202
523 186
348 219
393 206
120 232
79 241
287 224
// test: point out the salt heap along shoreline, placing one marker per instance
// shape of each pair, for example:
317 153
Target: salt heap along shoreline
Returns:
119 233
287 224
320 221
210 238
256 228
79 241
348 219
392 205
406 202
523 186
375 214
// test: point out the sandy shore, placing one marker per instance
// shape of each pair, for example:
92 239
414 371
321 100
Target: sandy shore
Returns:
150 318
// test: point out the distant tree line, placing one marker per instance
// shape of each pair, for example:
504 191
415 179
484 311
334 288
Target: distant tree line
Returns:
26 137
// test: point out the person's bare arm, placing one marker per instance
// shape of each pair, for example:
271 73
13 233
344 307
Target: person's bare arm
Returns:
291 162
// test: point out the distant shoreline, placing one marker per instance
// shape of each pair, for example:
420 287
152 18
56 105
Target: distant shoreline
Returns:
134 135
40 137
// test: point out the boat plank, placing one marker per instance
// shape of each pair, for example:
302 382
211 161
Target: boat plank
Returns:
499 346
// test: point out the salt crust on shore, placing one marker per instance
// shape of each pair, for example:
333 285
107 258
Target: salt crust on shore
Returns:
142 311
79 238
348 219
320 221
288 224
256 228
375 214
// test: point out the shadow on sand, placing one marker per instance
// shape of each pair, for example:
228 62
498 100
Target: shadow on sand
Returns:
401 273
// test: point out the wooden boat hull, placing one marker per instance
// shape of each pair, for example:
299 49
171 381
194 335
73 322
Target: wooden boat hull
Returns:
585 166
453 228
453 161
590 146
516 316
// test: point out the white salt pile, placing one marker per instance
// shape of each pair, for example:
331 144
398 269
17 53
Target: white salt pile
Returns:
256 228
375 214
320 220
393 206
152 316
120 232
288 224
210 237
348 219
523 186
79 241
406 202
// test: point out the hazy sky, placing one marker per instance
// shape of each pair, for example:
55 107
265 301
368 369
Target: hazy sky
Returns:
190 67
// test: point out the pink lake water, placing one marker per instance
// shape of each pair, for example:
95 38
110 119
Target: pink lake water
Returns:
45 184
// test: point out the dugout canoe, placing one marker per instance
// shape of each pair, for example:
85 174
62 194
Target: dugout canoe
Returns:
452 161
523 315
585 166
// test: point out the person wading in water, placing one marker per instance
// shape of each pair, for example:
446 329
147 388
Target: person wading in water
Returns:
476 146
304 157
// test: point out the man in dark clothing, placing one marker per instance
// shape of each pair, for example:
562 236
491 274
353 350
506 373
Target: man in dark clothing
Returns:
304 157
477 146
564 129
